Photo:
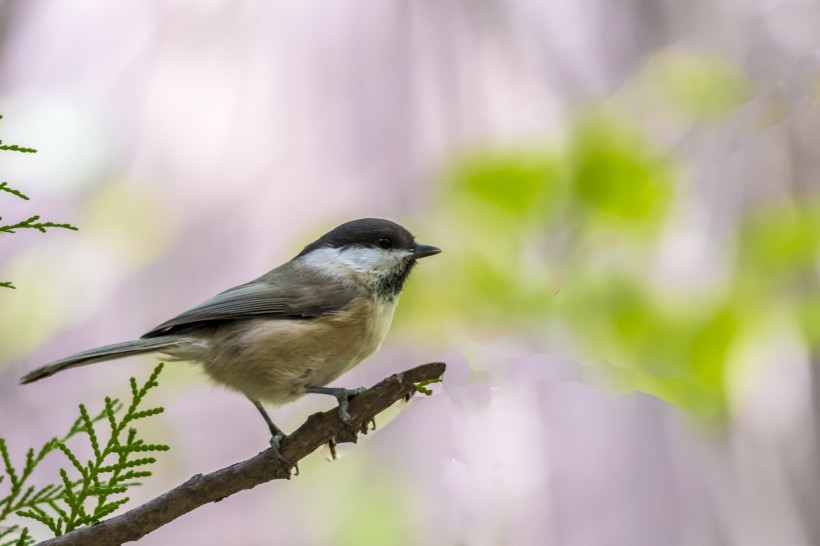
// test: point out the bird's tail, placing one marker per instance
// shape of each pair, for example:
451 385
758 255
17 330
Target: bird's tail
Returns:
100 354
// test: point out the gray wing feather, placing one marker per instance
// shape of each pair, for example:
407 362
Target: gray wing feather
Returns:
279 294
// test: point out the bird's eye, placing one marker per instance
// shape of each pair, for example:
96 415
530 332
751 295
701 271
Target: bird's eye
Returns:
386 242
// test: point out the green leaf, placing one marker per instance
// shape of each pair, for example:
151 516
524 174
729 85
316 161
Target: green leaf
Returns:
135 448
88 428
8 189
145 413
109 508
38 515
780 241
516 182
103 479
703 86
7 466
74 460
421 386
16 148
615 172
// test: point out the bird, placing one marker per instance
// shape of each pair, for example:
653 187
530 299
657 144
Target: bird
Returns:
295 329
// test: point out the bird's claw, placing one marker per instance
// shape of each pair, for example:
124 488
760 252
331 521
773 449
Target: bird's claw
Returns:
331 445
275 443
342 396
344 402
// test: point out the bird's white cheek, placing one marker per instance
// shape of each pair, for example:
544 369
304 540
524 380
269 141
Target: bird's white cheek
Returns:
371 260
362 260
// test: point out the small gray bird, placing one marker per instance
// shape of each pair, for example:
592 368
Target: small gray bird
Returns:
294 329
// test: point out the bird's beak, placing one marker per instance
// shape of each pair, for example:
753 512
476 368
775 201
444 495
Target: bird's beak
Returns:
422 251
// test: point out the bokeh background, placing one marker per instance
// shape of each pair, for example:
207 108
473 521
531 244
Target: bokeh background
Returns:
625 191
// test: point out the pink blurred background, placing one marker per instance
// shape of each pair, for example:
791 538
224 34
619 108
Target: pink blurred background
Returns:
197 144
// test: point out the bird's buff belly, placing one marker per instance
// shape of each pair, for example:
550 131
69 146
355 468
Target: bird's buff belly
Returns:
273 360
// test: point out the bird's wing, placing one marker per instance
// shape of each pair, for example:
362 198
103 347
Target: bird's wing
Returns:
274 296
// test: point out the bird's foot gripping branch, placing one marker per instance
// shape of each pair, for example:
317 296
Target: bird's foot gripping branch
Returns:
319 429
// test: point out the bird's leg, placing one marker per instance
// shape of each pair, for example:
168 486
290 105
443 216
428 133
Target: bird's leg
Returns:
276 433
343 396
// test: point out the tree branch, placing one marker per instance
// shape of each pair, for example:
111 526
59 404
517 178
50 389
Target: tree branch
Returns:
319 429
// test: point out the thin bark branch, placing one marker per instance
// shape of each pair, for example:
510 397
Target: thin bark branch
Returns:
319 429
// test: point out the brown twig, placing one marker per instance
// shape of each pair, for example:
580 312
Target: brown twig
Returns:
319 429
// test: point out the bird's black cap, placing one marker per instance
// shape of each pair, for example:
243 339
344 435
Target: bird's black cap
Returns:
374 232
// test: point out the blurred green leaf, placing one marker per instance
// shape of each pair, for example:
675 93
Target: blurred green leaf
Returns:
710 345
808 313
616 173
702 86
545 244
654 343
780 240
518 182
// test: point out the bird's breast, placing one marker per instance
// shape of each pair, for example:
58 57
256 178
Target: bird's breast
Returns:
275 359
